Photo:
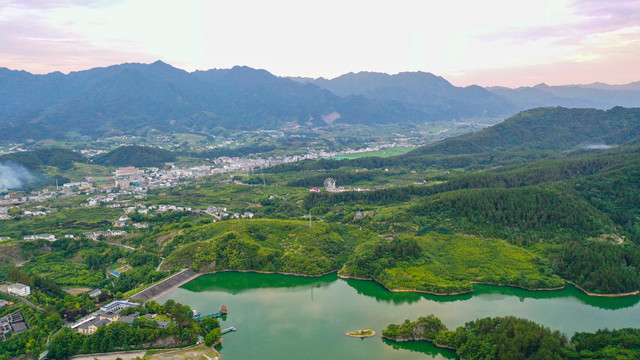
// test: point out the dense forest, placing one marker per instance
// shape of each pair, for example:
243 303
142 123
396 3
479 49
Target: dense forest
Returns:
139 156
514 338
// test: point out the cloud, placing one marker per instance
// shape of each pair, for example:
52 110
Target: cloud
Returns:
29 39
13 176
56 4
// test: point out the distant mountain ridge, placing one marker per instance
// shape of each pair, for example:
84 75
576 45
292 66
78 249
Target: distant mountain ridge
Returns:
596 95
421 91
128 97
135 97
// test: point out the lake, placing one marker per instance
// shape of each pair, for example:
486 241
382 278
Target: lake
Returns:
290 317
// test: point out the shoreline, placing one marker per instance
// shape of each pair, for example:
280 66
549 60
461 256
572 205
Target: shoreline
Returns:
519 287
633 293
431 341
354 334
342 276
265 272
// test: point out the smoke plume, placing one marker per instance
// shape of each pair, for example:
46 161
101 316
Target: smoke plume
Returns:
13 176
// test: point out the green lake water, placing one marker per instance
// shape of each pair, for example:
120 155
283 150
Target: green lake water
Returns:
289 317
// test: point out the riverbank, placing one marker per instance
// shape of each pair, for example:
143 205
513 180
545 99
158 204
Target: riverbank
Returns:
634 293
301 305
433 342
268 272
164 286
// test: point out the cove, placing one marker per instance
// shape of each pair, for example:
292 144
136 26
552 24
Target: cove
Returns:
290 317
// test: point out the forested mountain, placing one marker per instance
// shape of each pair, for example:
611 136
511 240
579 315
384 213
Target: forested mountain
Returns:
129 97
547 129
421 91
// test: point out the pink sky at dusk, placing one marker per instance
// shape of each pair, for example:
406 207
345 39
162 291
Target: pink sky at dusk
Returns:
492 42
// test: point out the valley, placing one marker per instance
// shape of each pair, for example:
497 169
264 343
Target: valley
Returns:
524 207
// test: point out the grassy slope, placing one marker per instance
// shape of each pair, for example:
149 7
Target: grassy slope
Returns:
267 245
449 263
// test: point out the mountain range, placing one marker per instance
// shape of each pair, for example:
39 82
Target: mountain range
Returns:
136 97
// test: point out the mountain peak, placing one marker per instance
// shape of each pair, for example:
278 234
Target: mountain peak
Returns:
160 63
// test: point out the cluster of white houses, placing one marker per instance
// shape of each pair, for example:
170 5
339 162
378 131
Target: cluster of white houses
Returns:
96 234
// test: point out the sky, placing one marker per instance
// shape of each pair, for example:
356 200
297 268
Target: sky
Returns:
490 42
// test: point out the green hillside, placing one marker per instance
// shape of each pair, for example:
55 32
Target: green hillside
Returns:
267 245
447 264
140 156
547 129
36 159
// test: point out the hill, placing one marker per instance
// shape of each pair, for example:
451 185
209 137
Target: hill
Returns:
579 211
35 159
139 156
555 129
447 264
266 245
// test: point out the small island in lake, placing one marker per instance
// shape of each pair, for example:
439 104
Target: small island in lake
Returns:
365 333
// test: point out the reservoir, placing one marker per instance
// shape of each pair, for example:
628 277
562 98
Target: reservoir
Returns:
290 317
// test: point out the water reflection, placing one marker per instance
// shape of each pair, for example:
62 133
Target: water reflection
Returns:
423 347
237 282
375 290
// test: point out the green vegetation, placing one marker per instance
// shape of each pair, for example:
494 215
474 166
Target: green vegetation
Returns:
386 152
36 159
142 333
622 344
489 338
584 205
514 338
266 245
520 204
66 221
136 156
425 328
32 341
443 264
546 128
361 333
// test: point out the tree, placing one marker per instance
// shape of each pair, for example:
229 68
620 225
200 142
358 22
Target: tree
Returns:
213 336
209 324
